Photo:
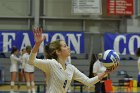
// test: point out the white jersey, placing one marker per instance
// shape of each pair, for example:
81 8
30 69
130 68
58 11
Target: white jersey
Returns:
139 65
98 67
139 60
21 64
27 67
58 80
14 66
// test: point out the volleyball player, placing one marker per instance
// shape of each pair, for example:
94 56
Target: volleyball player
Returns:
98 68
14 67
138 55
29 71
138 62
21 74
59 74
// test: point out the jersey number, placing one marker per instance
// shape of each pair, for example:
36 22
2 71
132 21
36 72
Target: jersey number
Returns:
65 83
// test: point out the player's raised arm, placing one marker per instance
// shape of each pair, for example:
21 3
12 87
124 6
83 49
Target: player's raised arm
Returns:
38 38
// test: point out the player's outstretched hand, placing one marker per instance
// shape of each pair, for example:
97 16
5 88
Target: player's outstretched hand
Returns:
38 37
112 68
108 71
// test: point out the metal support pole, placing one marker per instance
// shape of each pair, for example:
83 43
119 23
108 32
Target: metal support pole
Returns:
91 47
36 12
83 25
123 25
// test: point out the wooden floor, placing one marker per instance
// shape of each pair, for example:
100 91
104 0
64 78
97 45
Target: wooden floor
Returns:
118 89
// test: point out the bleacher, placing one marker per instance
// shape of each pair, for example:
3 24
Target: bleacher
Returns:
82 62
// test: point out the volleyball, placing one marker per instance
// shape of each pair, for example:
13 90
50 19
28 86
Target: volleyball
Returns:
110 58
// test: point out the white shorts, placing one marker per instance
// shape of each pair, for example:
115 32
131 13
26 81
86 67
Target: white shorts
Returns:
13 68
29 68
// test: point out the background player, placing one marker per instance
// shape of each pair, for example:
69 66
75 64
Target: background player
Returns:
138 55
29 71
21 74
98 68
14 67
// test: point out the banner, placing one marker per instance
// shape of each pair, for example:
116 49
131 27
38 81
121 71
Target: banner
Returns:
122 43
120 7
87 7
20 39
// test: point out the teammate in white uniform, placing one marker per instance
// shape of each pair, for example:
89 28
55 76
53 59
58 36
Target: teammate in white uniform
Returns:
98 68
14 67
59 74
21 74
138 62
29 71
138 55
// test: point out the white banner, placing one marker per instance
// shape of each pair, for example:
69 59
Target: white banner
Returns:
87 7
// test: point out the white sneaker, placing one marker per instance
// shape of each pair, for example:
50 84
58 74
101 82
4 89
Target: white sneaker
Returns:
11 91
69 91
33 92
29 91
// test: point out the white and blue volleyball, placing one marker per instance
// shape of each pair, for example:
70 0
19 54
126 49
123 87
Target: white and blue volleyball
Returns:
110 58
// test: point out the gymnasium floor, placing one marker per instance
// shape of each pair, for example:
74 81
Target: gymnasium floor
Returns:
118 89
